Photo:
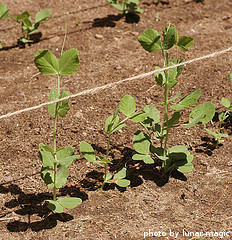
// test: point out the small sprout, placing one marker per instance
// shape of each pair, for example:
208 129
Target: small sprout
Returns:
126 6
127 106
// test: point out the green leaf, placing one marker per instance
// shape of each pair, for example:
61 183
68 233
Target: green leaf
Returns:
170 37
24 15
180 68
46 156
216 135
87 151
53 95
104 160
111 122
127 105
116 4
141 143
141 157
55 206
69 61
153 116
28 23
185 42
225 102
4 11
160 77
230 77
119 126
108 177
139 117
184 167
171 82
207 110
69 202
150 40
121 173
42 15
63 106
123 182
48 176
175 97
194 123
65 156
46 62
61 176
173 120
0 46
187 100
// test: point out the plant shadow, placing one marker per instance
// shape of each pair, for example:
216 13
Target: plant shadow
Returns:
137 171
36 37
110 20
33 205
207 147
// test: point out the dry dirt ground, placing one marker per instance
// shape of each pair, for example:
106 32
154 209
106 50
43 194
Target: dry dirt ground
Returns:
109 51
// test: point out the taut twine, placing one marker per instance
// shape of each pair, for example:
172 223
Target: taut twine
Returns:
109 85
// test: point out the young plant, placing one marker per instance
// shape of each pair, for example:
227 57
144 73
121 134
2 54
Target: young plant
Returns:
127 106
54 171
126 6
177 157
218 135
24 19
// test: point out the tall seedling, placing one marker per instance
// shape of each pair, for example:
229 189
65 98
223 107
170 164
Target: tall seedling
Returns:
127 106
177 157
54 171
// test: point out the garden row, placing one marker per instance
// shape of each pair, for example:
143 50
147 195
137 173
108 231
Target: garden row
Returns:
156 124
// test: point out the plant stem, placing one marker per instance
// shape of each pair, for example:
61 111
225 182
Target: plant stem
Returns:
54 140
107 156
54 147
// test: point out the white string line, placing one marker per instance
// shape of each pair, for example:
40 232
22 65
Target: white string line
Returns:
109 85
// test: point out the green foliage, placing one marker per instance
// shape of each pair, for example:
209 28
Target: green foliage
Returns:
24 19
222 116
4 11
177 157
55 171
127 106
126 6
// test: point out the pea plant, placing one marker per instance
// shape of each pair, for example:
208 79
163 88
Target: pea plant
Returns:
127 106
24 19
55 161
218 135
177 157
126 6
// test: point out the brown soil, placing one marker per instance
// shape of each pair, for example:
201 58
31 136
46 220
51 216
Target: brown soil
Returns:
154 201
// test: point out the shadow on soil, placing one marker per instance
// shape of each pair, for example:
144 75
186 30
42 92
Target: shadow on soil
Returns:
32 204
137 171
110 20
36 37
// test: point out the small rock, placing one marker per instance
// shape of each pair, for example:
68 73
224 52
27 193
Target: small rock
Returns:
55 39
99 36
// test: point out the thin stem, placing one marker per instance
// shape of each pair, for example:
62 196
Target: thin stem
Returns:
107 156
54 139
65 36
54 147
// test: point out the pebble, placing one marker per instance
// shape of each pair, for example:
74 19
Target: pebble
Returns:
99 36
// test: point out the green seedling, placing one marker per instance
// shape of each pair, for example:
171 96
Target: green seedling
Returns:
218 135
24 19
126 6
127 106
55 171
177 157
